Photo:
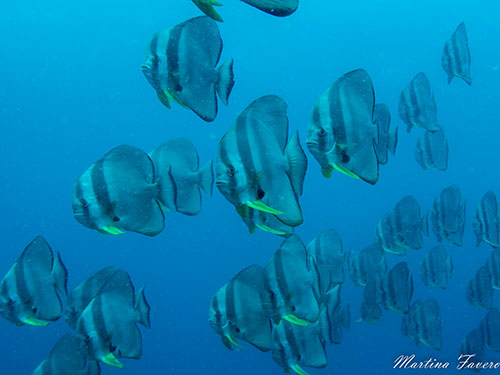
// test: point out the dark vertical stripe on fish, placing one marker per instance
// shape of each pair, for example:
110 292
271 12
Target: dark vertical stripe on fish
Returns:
153 46
173 57
230 302
100 187
21 285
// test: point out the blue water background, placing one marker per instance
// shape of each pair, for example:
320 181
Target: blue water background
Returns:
71 88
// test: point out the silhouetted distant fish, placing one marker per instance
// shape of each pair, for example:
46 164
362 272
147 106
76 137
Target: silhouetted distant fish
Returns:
180 157
333 317
486 222
341 133
387 237
295 346
65 359
327 252
29 292
396 289
479 289
386 140
431 151
407 224
368 264
181 62
236 311
289 280
448 215
370 309
423 324
417 106
107 328
430 324
456 55
279 8
473 344
490 329
493 266
256 162
80 297
437 267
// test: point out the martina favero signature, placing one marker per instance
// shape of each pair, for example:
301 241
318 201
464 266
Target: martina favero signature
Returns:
464 362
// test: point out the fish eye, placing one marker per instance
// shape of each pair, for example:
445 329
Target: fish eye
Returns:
34 309
237 330
84 203
231 171
293 308
322 131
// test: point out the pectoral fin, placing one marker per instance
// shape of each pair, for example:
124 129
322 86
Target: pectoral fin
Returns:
174 98
164 99
327 171
243 211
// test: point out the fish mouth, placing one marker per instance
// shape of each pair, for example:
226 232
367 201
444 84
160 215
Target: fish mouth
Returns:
311 143
145 67
220 182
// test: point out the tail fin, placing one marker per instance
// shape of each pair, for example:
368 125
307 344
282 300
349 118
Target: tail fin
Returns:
225 82
297 162
60 275
206 175
142 307
345 317
424 224
393 141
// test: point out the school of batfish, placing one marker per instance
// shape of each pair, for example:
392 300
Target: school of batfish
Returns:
291 306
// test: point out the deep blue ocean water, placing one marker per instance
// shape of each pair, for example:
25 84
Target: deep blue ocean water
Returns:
71 88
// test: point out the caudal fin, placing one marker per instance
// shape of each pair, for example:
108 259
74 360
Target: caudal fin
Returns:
393 141
60 275
225 82
297 162
142 307
206 175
